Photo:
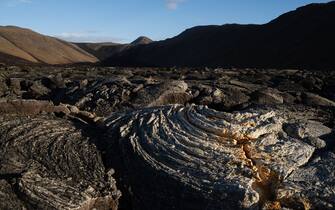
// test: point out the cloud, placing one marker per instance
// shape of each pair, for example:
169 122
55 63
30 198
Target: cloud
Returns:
173 4
87 36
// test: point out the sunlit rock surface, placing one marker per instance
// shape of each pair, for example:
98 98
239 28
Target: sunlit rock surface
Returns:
193 157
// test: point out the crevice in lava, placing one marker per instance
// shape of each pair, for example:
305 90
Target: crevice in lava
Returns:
265 181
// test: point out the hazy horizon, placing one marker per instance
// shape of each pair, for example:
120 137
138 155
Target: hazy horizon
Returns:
123 22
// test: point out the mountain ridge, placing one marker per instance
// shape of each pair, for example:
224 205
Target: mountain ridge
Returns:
298 39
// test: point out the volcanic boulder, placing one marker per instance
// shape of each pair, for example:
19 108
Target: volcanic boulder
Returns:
312 186
169 92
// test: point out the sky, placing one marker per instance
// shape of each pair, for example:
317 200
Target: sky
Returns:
124 20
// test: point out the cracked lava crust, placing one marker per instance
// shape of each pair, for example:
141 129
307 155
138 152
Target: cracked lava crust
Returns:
178 157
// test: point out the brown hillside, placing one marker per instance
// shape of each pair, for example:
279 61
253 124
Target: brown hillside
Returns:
37 48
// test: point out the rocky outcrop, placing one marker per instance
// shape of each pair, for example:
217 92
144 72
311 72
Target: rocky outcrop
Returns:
268 96
316 100
304 129
170 92
312 186
101 96
30 107
193 157
105 96
106 90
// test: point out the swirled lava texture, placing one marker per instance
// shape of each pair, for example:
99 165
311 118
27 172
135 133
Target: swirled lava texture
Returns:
177 157
48 163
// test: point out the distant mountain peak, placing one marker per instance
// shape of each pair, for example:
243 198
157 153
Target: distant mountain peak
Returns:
142 40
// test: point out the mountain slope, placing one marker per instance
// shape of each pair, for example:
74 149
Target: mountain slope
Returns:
105 50
299 39
36 48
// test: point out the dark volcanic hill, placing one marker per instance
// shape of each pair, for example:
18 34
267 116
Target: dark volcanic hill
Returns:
303 38
19 44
